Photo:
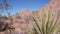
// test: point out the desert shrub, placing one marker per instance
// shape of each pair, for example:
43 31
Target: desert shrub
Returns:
48 23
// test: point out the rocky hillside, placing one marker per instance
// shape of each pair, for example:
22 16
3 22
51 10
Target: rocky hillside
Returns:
20 22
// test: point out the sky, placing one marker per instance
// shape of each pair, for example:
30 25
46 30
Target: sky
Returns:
19 5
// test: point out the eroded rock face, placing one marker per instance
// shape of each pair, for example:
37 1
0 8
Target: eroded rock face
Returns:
20 22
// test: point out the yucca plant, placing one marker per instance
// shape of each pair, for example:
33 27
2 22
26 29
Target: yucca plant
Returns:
46 23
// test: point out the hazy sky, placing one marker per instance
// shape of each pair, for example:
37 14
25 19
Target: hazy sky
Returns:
19 5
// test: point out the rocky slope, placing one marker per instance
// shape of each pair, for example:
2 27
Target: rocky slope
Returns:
20 22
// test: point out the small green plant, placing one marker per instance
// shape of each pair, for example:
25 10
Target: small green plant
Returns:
47 23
